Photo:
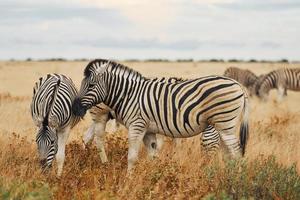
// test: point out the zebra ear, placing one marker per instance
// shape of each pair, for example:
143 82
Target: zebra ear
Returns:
101 69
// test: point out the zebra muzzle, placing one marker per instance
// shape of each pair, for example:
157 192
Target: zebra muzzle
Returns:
78 109
43 163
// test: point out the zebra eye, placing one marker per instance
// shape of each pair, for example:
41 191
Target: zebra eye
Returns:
92 85
52 142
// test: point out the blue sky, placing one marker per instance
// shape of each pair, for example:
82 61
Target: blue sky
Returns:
128 29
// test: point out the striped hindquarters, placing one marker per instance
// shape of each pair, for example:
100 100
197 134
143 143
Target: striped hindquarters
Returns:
52 99
186 108
291 78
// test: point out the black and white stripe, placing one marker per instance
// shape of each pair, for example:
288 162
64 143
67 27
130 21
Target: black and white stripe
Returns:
282 79
245 77
51 110
177 110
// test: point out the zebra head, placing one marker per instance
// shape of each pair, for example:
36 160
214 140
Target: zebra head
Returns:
46 140
263 87
93 88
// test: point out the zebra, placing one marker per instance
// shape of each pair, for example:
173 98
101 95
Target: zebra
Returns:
51 112
177 110
245 77
101 114
281 79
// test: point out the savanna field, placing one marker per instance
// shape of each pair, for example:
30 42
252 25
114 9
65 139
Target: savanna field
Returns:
270 169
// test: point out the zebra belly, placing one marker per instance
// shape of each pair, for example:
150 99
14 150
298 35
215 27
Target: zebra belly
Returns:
154 128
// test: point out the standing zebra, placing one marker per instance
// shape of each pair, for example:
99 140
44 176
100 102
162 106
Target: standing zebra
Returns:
101 114
51 112
245 77
176 110
281 79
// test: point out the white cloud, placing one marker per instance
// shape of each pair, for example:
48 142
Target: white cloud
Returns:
146 14
144 28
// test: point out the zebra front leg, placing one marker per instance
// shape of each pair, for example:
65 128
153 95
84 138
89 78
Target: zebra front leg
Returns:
89 135
281 93
100 136
62 137
136 134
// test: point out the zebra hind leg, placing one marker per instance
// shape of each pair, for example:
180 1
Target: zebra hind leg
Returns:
210 141
230 142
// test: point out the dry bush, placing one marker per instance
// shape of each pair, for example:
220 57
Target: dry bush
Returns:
190 177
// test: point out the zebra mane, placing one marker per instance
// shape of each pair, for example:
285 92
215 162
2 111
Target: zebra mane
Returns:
112 64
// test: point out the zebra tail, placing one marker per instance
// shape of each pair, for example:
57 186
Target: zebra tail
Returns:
244 129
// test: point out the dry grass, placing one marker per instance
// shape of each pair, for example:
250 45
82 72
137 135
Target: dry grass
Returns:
181 173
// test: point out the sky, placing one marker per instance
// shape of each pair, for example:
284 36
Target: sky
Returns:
144 29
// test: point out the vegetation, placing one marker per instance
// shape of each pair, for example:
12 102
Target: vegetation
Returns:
270 169
86 177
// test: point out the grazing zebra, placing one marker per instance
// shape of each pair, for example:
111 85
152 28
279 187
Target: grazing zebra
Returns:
282 79
245 77
176 110
254 89
101 113
51 112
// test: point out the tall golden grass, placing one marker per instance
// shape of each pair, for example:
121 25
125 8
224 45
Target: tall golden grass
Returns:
270 169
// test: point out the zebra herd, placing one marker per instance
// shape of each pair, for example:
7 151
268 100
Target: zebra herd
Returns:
281 79
213 106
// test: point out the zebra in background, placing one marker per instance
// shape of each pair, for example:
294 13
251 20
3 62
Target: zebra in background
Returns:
245 77
51 111
177 110
282 79
101 114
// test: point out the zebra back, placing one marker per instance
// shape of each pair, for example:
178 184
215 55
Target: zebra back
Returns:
245 77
